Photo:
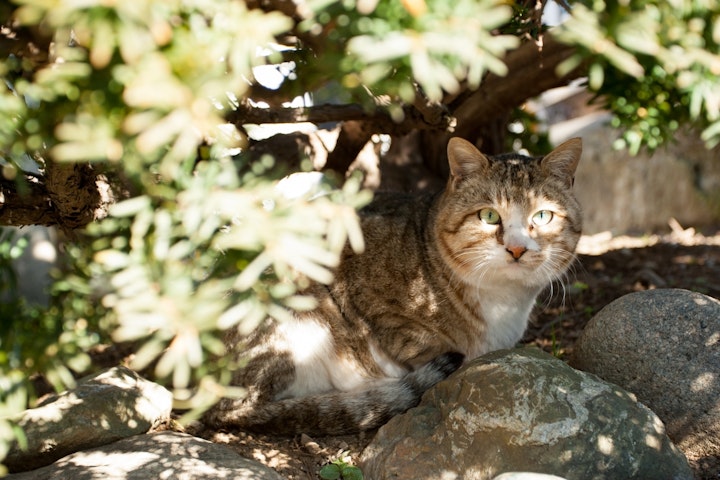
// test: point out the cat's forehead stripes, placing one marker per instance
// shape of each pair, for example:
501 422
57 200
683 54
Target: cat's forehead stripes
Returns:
513 158
510 178
516 168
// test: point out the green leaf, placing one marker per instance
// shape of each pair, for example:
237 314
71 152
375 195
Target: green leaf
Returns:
330 471
130 207
711 135
596 76
352 473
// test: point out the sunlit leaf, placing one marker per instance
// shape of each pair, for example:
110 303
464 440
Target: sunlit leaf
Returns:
130 207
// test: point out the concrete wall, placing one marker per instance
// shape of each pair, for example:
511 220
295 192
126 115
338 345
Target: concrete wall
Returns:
625 194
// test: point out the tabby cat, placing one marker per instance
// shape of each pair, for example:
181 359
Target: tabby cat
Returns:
445 277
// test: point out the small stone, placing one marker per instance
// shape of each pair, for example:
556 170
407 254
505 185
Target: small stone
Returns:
310 445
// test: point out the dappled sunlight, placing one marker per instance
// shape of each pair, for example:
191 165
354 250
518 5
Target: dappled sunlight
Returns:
602 242
702 301
605 444
713 339
156 455
99 461
703 382
652 441
290 455
448 475
273 458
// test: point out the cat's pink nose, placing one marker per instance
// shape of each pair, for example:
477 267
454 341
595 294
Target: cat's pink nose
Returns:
516 251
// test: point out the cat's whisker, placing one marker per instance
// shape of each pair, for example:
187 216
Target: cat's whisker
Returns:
477 259
559 268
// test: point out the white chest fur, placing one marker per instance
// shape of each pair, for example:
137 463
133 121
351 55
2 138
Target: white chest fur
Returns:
505 311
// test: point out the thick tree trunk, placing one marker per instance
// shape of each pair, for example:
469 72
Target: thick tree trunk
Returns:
25 203
69 195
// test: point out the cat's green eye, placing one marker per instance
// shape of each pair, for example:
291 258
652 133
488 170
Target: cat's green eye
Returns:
489 216
542 217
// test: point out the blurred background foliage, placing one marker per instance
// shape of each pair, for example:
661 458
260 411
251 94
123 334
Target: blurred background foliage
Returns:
198 238
655 65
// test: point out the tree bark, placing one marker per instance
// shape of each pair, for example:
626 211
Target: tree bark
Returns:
353 136
27 203
68 195
378 121
73 190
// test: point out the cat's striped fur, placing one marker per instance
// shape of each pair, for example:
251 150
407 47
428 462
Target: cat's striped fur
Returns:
444 278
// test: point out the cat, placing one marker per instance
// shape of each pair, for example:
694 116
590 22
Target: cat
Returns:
444 278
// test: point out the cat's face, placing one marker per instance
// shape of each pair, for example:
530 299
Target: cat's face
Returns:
510 218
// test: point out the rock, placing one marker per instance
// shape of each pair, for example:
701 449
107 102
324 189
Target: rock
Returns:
664 346
156 455
524 410
114 404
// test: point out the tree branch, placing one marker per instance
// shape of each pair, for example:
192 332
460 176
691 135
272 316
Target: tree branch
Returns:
532 69
25 204
380 119
73 189
69 195
351 140
295 9
358 125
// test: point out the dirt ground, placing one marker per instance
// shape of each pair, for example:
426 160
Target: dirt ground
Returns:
607 268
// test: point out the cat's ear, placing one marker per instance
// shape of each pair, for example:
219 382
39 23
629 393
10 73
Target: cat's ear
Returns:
563 161
464 159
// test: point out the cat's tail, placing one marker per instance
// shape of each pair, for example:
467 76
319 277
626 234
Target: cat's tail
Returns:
337 413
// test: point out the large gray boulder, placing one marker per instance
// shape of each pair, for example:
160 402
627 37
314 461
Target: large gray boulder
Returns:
114 404
664 346
524 410
157 455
